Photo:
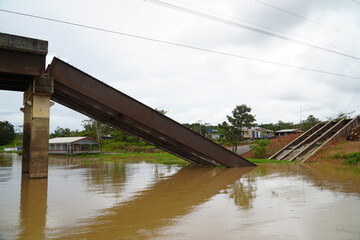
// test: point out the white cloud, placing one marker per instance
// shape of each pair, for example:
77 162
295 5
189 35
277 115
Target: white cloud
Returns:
195 85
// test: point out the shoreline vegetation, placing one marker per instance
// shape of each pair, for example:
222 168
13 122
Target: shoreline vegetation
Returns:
343 153
158 157
161 157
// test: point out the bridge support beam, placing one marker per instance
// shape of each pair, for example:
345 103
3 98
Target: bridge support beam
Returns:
36 127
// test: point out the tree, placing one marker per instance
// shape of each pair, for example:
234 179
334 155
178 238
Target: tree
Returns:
259 148
341 115
226 132
238 121
7 132
279 125
64 132
162 111
309 123
96 129
200 128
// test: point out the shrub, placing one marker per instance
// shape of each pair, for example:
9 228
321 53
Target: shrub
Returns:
259 148
352 158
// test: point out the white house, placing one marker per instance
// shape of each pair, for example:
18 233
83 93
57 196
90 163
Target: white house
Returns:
73 145
258 133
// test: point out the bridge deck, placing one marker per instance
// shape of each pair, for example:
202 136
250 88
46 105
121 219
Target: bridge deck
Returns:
85 94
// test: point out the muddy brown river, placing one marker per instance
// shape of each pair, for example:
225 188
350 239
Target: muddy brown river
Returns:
113 200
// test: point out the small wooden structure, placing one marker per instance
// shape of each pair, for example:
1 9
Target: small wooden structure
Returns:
73 145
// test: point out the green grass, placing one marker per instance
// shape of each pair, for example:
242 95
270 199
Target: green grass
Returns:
260 160
352 158
15 143
113 145
159 157
349 159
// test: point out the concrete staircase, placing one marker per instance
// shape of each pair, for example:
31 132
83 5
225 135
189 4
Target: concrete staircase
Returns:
315 138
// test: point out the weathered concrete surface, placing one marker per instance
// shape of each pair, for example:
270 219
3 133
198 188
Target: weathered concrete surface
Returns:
292 145
38 98
21 60
26 136
340 133
24 44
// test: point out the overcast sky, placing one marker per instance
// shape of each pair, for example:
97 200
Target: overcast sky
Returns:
195 85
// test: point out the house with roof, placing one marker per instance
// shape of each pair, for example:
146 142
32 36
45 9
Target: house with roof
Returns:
212 134
73 145
258 133
283 132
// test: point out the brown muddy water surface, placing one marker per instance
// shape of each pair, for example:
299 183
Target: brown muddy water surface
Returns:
152 201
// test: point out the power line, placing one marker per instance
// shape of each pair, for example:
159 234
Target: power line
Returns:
307 19
217 19
179 44
258 25
356 2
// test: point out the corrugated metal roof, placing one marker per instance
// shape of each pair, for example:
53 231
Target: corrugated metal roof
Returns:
288 130
68 139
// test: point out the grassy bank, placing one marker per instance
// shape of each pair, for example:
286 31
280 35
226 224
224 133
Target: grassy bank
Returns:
113 145
340 152
349 159
259 160
158 157
13 144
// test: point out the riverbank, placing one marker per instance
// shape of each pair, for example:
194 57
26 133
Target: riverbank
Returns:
339 152
158 157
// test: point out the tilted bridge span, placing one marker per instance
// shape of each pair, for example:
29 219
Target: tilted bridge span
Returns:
22 68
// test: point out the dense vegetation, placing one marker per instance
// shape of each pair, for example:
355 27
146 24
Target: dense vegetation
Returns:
7 133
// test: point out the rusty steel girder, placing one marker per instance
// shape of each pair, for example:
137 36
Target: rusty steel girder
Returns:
89 96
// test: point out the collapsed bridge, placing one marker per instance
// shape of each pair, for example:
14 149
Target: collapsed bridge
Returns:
22 68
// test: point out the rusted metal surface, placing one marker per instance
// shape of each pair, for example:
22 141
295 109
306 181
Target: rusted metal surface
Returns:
83 93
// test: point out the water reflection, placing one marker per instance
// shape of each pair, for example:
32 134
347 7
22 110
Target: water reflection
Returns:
243 192
157 206
114 200
33 206
6 164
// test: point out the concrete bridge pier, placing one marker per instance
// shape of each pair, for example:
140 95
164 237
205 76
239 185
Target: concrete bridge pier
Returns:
36 126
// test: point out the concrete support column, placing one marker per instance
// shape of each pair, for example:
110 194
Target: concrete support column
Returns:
38 99
26 135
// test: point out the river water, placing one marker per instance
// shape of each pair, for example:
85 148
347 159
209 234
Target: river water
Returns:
107 200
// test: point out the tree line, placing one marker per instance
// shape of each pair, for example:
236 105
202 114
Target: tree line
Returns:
230 131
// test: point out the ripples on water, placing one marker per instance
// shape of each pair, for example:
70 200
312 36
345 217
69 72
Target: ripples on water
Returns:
153 201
